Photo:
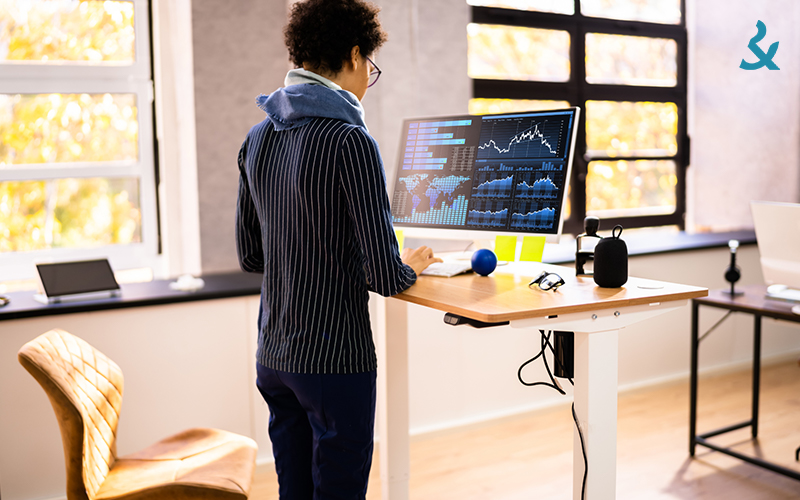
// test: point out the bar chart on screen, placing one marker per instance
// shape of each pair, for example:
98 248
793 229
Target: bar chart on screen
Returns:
431 199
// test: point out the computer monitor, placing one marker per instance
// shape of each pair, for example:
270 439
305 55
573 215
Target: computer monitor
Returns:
458 177
777 228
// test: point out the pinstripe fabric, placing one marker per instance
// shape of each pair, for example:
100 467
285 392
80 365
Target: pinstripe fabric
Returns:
313 216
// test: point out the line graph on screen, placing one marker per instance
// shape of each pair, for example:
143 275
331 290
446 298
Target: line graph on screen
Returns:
522 137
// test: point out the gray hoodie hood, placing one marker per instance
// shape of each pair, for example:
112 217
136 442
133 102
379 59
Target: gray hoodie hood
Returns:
297 104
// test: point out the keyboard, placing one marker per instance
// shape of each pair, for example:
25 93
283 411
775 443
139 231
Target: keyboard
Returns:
447 269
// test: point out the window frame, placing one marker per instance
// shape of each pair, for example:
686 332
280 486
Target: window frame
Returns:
77 78
577 91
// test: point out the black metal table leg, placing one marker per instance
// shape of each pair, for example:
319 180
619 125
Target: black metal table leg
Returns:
693 381
752 302
756 372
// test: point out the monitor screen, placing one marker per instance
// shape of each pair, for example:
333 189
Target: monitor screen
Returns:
504 173
777 227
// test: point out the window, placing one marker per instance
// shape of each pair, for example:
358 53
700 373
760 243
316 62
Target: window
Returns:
623 62
77 160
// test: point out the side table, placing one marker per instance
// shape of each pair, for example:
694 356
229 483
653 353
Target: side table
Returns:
755 302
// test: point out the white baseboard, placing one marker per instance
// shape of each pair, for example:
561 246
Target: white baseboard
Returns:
711 371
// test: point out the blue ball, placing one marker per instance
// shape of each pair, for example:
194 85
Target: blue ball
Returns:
484 261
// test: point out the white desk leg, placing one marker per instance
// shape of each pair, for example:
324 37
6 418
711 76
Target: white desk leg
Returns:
596 356
392 350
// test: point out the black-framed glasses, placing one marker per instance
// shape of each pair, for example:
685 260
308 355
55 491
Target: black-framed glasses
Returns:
547 281
374 74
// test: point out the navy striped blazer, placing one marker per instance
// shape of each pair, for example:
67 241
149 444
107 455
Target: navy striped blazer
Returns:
313 216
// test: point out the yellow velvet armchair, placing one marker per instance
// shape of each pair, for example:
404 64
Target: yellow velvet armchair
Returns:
85 390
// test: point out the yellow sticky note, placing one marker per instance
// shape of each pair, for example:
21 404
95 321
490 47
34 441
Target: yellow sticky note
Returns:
399 235
505 247
532 248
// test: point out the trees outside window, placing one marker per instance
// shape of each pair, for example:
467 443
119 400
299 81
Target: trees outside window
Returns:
77 160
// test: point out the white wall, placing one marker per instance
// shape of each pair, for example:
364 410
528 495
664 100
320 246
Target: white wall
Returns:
238 54
424 66
744 125
192 364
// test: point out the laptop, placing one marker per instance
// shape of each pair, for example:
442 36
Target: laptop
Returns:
81 280
778 233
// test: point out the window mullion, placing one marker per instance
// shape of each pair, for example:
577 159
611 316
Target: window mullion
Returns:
580 166
70 170
578 92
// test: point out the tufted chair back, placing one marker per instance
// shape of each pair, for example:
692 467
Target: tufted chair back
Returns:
85 389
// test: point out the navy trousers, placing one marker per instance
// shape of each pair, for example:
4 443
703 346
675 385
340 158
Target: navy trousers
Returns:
321 428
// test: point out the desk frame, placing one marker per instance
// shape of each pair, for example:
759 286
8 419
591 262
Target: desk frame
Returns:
595 393
752 302
596 318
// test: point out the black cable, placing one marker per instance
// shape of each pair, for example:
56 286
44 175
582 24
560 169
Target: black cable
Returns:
541 353
583 450
549 345
575 418
545 344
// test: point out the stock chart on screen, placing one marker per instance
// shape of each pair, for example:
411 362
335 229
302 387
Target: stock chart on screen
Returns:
504 172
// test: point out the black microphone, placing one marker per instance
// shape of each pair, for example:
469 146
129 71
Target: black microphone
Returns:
733 273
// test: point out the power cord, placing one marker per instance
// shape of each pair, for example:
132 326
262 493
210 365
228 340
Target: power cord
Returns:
583 451
545 344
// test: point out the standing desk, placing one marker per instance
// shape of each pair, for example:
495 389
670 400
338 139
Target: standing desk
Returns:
595 315
753 301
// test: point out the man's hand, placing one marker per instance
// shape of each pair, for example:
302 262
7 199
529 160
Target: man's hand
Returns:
418 258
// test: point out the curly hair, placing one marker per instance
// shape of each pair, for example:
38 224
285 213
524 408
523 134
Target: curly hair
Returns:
321 33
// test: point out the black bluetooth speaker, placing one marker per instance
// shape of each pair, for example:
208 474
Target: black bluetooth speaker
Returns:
611 260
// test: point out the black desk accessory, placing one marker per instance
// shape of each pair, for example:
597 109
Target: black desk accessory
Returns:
78 280
563 351
733 273
455 320
582 256
611 260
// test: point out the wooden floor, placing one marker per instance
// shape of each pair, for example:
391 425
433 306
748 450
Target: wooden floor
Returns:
530 457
